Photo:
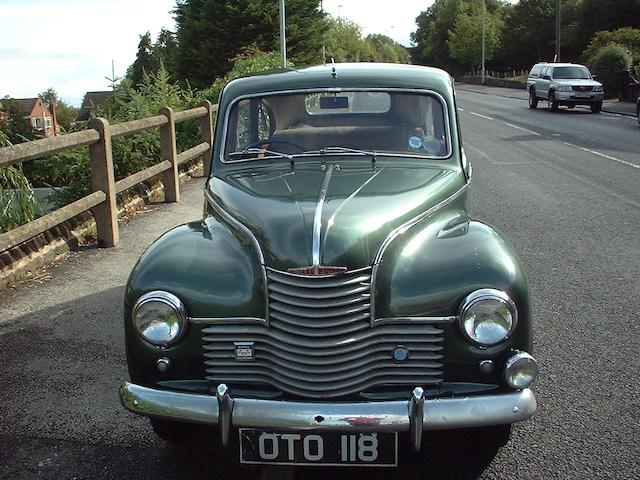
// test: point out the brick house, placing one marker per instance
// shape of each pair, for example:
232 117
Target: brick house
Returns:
36 113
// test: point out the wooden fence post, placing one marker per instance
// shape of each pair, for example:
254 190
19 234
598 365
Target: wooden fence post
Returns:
168 151
206 127
102 178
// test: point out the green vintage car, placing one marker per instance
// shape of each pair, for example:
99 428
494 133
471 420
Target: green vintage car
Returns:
336 300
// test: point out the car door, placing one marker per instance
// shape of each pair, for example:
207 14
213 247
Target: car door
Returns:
542 87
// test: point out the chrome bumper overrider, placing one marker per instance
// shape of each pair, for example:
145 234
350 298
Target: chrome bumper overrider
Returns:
413 415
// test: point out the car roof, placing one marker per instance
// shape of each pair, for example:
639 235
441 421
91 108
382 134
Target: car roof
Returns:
343 75
560 64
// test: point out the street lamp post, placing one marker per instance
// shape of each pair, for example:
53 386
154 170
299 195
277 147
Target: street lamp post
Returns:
557 57
484 14
283 39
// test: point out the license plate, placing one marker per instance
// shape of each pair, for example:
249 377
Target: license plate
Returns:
379 449
583 95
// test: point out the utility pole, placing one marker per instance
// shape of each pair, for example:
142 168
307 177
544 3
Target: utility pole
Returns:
484 28
283 39
324 51
557 57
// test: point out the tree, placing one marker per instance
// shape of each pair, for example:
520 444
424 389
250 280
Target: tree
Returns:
344 42
210 33
434 24
465 39
146 60
385 49
528 35
597 15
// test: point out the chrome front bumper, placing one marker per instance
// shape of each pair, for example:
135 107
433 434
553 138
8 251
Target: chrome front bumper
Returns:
414 415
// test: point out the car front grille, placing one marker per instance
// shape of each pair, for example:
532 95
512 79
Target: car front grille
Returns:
320 343
582 88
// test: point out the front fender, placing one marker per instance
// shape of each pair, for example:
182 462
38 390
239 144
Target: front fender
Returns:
215 272
430 269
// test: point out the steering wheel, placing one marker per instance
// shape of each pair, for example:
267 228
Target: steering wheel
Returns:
270 141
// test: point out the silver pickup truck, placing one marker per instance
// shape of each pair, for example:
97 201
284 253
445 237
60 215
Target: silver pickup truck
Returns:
564 84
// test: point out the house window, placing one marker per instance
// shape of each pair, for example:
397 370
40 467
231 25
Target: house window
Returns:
34 122
48 122
38 123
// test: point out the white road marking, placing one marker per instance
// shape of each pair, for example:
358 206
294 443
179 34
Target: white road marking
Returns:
481 116
588 150
516 163
609 157
460 109
523 129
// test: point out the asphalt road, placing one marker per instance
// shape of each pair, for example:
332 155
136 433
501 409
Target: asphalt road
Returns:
563 187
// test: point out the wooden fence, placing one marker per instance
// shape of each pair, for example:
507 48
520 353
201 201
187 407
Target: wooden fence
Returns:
102 200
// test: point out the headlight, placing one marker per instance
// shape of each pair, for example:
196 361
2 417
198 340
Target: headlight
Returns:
488 317
598 88
520 371
564 88
160 318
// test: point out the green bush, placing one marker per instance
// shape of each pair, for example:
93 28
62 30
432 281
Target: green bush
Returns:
627 37
608 63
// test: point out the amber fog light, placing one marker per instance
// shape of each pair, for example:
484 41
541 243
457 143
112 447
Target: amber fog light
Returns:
160 318
520 370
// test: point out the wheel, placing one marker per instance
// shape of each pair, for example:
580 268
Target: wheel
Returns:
269 141
174 432
533 99
596 107
552 103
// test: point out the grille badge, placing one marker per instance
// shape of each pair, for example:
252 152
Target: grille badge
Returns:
244 351
317 271
400 354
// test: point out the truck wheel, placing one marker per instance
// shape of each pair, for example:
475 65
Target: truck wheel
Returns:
533 99
173 432
596 107
552 103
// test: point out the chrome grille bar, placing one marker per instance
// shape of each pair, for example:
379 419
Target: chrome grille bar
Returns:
320 342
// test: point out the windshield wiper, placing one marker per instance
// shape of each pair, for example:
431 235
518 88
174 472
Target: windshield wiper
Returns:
254 152
329 150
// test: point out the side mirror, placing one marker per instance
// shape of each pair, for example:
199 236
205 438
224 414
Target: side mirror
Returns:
593 76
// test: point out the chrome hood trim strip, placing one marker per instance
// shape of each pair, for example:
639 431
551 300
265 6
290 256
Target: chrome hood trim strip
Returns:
317 218
235 223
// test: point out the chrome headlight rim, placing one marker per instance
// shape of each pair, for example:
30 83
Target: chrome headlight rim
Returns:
170 300
481 295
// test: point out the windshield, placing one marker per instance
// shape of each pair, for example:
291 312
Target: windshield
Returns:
348 122
571 73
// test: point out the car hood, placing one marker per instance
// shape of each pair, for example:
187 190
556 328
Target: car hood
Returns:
577 81
361 208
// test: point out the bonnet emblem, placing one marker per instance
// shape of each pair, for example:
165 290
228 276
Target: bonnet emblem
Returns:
316 271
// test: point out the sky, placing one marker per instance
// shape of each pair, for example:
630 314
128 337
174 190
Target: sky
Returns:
69 44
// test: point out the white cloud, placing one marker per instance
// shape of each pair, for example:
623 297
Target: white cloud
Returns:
69 44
